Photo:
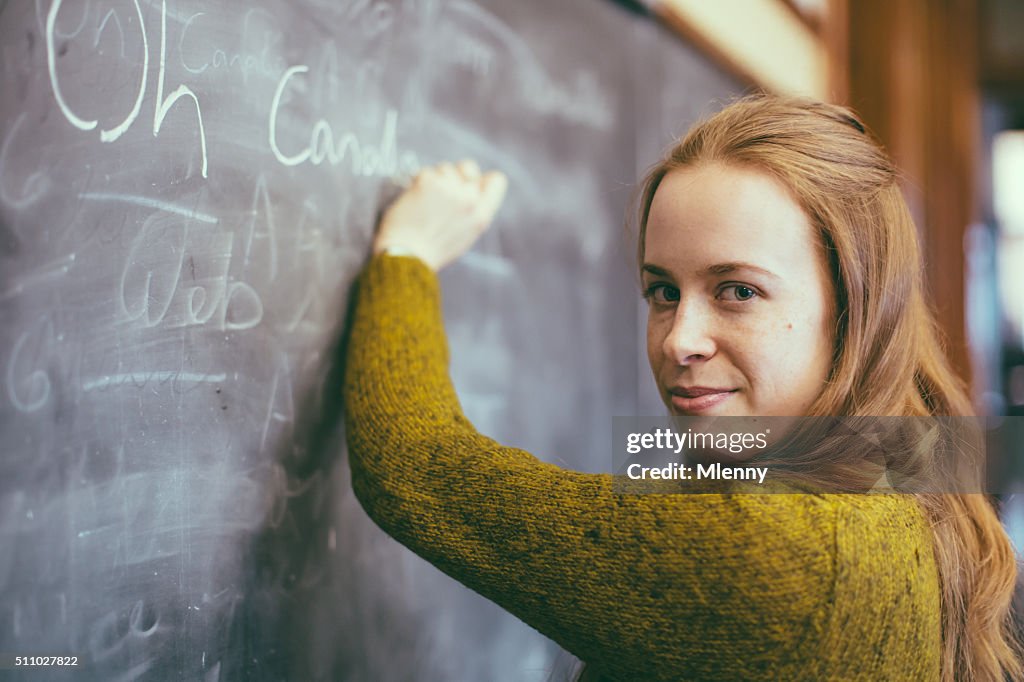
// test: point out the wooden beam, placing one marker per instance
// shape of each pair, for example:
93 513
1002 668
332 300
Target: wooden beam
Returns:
913 79
760 41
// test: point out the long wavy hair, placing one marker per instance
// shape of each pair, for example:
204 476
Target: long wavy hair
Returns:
888 359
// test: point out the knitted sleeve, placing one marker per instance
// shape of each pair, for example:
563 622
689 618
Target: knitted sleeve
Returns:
639 586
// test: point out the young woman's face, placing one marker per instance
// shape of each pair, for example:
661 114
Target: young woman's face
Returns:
739 320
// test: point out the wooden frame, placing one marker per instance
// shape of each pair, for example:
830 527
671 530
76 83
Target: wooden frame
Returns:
761 42
814 23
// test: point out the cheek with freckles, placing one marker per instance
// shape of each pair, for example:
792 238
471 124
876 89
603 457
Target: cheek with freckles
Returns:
782 363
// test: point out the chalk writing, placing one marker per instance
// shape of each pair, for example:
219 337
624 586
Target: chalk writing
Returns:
152 281
281 403
34 186
325 144
112 634
141 378
316 258
335 78
475 54
261 207
110 134
28 386
163 104
372 17
584 102
33 616
264 61
111 15
85 6
284 487
153 298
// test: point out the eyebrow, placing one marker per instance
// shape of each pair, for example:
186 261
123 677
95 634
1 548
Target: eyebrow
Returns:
716 269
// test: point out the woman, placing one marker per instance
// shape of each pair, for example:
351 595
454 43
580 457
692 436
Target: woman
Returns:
781 268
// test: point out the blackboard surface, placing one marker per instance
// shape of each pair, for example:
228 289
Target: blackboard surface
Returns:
187 190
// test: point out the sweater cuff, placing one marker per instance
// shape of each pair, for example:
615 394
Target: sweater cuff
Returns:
401 272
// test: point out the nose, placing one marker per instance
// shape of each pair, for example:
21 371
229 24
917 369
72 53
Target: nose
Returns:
691 337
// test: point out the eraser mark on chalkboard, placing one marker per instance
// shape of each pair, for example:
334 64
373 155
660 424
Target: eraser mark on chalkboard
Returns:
494 265
150 203
48 271
33 187
142 378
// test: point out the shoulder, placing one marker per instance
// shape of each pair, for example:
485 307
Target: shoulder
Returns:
779 585
887 603
884 544
877 529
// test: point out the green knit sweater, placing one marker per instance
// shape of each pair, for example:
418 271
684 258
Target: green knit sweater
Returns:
641 587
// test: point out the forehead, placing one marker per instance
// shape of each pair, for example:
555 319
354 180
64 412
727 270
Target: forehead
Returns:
715 213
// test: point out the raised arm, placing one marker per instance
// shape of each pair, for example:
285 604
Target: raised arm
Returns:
639 586
676 577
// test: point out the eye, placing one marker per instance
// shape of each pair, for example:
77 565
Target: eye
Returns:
661 293
737 292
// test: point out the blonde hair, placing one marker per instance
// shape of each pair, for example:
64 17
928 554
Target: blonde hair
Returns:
888 360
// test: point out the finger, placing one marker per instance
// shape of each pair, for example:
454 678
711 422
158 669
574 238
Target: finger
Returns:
446 170
493 186
469 169
424 174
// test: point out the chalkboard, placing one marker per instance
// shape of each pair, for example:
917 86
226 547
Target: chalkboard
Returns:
187 191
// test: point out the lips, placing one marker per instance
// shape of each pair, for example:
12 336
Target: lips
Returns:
697 399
